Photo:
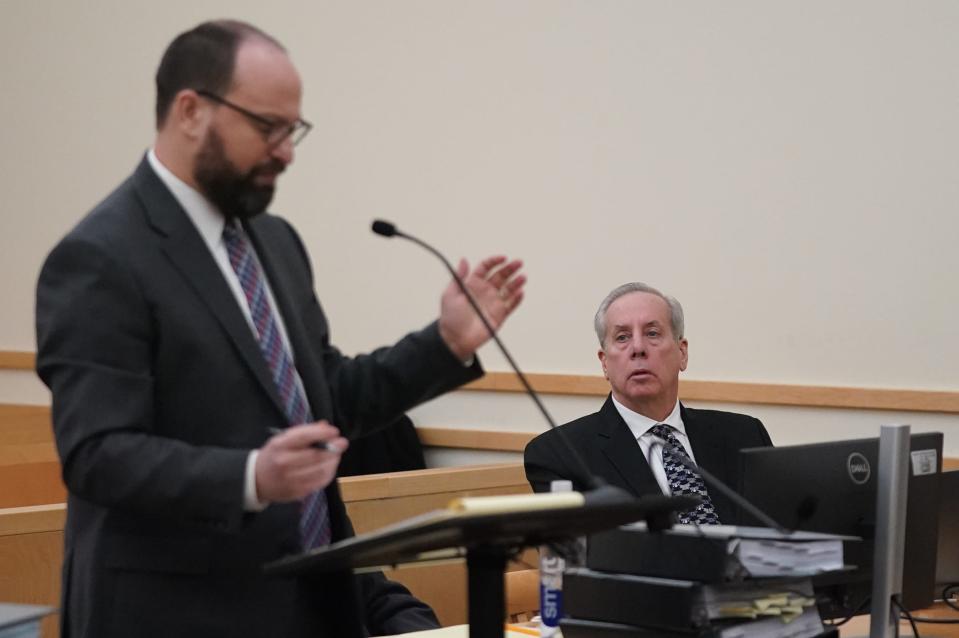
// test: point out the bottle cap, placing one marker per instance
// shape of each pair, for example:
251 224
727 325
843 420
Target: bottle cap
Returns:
560 485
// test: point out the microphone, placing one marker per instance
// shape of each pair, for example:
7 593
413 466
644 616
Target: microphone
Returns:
682 456
386 229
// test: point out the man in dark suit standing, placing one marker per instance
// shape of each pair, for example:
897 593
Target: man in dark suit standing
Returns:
179 331
634 440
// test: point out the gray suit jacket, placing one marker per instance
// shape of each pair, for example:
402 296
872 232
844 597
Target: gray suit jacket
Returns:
159 393
610 451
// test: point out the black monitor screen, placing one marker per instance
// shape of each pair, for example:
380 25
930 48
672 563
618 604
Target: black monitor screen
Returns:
831 487
947 558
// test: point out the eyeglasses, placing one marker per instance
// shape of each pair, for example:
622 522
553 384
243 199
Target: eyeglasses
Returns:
274 131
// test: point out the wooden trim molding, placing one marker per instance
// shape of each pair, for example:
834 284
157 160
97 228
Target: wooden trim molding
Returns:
29 420
809 396
431 481
14 360
32 519
499 441
736 392
26 437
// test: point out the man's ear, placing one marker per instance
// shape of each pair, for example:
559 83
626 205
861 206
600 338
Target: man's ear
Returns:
602 359
190 114
683 354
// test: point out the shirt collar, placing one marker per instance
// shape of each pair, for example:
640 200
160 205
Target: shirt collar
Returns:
207 219
640 425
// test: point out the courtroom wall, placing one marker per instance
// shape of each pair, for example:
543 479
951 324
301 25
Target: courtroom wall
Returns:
787 170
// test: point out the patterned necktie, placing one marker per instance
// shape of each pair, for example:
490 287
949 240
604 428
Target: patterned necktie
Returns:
683 480
314 514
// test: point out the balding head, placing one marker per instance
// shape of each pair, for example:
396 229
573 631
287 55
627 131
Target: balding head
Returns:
202 59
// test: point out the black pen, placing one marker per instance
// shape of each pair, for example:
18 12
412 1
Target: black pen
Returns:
316 445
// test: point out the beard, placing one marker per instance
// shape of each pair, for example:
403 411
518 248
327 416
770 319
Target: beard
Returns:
235 194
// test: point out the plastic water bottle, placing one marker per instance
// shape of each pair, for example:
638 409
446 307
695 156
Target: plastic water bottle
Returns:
551 566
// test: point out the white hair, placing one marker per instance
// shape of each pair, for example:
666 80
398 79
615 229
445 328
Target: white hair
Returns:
676 320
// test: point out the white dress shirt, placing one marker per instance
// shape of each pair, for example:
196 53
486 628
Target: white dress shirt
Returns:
640 426
210 223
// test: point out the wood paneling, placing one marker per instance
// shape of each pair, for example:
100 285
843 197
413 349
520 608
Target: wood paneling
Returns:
29 466
474 439
733 392
31 552
33 519
24 423
26 436
908 400
431 481
522 594
377 500
30 483
13 360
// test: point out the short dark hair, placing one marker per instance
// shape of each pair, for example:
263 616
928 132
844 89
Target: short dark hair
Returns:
202 59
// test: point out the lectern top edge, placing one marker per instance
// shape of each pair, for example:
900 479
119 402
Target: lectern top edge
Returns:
407 540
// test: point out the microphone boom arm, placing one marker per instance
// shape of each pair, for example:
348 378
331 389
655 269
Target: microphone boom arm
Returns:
489 328
387 229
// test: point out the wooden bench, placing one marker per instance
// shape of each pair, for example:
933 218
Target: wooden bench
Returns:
29 466
31 553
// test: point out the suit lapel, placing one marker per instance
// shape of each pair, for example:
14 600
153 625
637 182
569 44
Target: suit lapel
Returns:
711 454
185 249
707 446
623 452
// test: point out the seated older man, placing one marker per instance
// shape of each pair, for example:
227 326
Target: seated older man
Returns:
635 439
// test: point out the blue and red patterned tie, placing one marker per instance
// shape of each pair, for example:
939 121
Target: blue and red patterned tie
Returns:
314 514
683 480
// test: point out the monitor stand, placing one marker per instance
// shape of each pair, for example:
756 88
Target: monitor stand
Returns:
891 496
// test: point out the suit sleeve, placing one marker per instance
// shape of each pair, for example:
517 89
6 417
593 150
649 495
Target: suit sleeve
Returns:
95 343
370 391
546 459
390 608
762 436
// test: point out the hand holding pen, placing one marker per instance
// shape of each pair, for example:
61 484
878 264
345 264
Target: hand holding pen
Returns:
329 446
298 460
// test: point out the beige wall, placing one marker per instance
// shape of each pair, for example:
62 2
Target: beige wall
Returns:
787 169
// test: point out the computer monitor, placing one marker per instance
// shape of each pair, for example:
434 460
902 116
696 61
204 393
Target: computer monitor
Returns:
947 558
831 487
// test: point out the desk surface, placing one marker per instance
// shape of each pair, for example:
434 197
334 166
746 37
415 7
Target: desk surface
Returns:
858 627
463 631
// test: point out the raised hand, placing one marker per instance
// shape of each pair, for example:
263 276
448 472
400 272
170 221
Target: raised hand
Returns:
497 286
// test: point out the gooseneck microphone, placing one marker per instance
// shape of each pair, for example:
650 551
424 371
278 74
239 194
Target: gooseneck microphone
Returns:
386 229
682 456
